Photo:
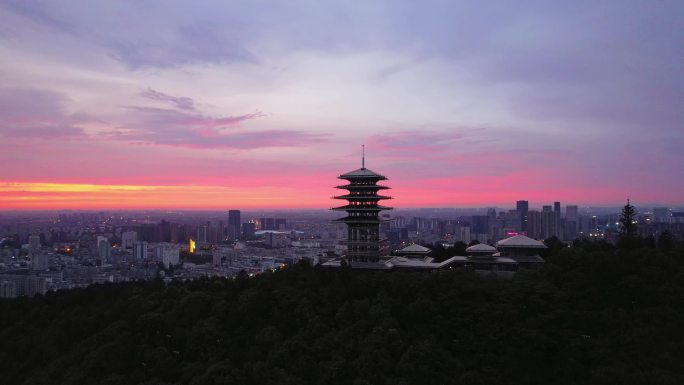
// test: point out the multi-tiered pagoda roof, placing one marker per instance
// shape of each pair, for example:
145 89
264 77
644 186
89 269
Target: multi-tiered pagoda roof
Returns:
363 221
362 196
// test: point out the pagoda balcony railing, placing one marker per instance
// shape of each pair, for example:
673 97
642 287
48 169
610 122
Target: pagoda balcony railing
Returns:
362 186
362 243
361 208
360 179
362 220
369 253
362 197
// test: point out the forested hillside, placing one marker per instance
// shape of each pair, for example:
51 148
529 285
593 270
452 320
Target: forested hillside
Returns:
593 315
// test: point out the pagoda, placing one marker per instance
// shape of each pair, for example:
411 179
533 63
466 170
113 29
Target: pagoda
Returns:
363 221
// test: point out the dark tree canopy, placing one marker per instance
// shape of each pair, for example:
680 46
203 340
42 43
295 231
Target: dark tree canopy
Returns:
666 241
595 314
441 253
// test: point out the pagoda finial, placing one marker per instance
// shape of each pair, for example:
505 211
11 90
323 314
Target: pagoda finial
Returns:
363 156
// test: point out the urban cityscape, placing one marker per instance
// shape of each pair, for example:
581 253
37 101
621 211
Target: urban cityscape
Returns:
380 192
44 251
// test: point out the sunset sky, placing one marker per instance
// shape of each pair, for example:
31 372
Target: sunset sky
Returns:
261 104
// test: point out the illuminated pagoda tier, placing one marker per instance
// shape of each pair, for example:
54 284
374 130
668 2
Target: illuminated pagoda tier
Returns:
363 221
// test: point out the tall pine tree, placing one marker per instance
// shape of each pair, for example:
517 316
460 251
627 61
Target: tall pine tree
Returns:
628 223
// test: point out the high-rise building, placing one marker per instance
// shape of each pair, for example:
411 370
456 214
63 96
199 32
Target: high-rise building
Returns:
168 254
534 224
34 244
404 234
140 250
661 215
557 211
234 224
128 238
268 224
39 261
203 233
104 249
479 225
496 226
163 231
248 231
571 222
511 223
588 224
171 257
146 232
385 226
214 233
522 207
362 220
217 258
8 289
549 223
174 230
462 234
276 239
17 285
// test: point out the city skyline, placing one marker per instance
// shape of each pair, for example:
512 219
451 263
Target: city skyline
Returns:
167 105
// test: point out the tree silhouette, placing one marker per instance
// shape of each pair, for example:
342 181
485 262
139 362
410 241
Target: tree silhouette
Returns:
554 246
628 224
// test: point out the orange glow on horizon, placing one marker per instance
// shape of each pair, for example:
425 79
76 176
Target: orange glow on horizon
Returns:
67 187
32 196
315 194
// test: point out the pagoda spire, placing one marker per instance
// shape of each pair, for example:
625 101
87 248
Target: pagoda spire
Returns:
363 156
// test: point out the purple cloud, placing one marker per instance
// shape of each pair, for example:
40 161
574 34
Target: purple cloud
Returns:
46 131
417 145
37 114
40 14
416 140
167 127
182 120
183 103
181 50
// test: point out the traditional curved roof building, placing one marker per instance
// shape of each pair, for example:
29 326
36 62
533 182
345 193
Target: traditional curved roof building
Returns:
481 249
363 222
522 249
413 251
520 242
